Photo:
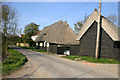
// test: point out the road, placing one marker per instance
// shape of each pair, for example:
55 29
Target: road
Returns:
50 66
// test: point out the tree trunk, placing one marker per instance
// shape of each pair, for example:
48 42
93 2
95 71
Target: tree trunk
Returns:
4 47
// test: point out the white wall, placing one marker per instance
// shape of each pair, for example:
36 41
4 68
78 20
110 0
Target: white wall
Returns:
34 37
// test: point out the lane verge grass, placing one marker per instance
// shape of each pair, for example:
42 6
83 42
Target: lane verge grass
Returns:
15 61
34 49
92 59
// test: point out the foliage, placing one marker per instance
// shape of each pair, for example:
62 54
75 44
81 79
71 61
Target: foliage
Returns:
79 24
9 25
9 20
13 40
92 59
30 29
15 61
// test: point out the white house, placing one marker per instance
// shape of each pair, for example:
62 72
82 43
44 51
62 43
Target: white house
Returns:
35 36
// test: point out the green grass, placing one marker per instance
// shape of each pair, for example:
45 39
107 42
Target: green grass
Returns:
15 61
28 47
34 49
0 70
92 59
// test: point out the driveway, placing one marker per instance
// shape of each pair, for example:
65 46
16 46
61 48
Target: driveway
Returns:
50 66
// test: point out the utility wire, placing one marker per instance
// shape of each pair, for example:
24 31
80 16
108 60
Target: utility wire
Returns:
114 5
73 9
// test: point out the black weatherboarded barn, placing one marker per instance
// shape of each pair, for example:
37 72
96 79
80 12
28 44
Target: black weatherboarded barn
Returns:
109 38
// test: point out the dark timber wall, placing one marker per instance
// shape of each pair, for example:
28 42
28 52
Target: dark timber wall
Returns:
74 49
107 47
88 44
60 50
52 48
88 41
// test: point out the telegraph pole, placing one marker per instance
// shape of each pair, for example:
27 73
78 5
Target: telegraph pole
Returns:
98 32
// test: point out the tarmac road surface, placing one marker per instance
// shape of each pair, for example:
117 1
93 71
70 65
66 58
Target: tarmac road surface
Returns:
50 66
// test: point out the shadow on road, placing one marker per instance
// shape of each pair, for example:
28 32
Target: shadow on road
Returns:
28 75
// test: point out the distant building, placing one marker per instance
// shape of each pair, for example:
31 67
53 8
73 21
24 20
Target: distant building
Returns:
21 35
56 38
35 36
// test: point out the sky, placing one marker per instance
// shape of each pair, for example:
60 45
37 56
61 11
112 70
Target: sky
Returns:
46 13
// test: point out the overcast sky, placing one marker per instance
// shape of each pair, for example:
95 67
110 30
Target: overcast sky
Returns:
46 13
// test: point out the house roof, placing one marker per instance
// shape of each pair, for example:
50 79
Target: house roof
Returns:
22 35
59 33
109 27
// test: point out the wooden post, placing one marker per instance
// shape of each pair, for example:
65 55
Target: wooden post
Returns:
98 32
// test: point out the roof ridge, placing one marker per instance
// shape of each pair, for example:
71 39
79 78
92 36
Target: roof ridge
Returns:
96 9
110 28
69 27
55 23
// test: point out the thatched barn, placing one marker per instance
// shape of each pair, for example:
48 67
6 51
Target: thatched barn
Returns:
56 38
109 38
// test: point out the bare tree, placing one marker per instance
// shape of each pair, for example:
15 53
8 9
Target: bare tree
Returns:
79 24
9 24
113 18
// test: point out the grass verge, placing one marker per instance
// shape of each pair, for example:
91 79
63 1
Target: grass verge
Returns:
92 59
34 49
0 70
15 61
28 47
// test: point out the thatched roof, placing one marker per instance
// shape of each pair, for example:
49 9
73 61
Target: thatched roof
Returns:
59 33
109 27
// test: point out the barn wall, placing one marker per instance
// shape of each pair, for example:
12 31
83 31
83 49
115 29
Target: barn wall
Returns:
118 53
107 46
74 49
60 50
52 48
88 44
88 41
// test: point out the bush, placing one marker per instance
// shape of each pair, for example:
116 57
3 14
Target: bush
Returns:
32 43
